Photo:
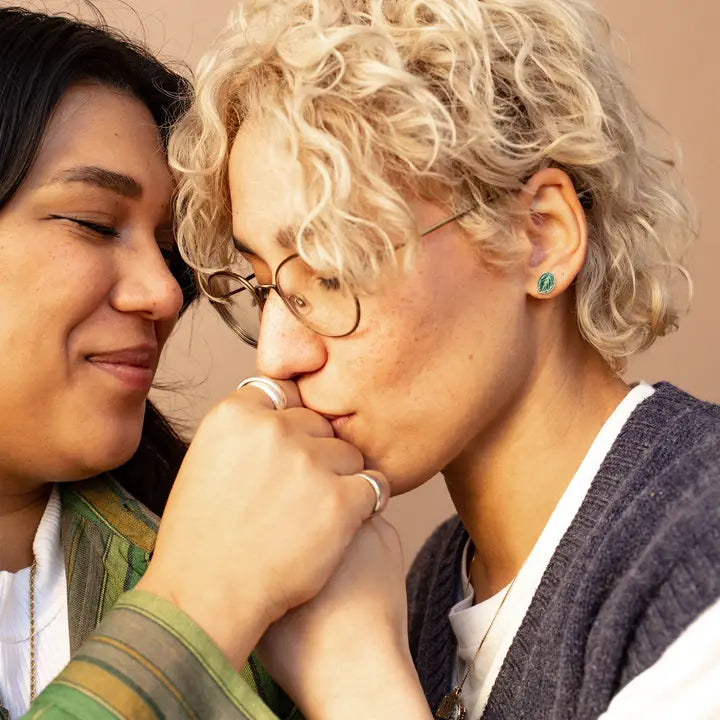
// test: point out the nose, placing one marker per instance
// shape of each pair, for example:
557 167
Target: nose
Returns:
286 348
145 285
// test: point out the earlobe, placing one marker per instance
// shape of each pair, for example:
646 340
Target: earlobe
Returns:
556 230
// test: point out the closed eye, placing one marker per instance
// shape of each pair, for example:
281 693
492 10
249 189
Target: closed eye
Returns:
104 230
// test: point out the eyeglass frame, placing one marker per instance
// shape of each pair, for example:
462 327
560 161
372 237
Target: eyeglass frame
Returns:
261 292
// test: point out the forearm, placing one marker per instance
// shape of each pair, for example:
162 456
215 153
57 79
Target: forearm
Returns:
387 694
148 659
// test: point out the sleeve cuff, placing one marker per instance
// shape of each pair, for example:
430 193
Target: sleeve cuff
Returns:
148 659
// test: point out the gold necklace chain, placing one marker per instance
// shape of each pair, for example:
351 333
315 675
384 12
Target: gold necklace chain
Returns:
451 708
33 670
33 571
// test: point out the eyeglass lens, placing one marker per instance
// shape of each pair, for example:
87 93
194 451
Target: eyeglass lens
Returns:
320 303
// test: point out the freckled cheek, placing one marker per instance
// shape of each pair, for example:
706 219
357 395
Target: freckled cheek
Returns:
69 318
392 361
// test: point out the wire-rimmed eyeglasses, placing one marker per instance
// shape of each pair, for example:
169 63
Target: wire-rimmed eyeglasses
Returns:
321 304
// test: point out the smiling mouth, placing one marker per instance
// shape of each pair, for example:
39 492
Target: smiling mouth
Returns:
135 368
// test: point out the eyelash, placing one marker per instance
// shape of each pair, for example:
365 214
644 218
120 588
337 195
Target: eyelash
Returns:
103 230
329 283
169 253
326 283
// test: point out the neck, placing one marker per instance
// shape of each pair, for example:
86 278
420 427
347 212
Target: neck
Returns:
506 484
21 509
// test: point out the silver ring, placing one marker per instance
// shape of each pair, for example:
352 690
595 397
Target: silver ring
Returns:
380 499
270 388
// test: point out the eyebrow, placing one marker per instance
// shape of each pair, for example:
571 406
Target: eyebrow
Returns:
100 177
241 247
285 238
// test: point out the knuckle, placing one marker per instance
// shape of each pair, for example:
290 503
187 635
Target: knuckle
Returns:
275 426
306 465
355 458
227 410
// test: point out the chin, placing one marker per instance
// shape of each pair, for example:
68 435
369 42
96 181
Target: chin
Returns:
402 479
110 449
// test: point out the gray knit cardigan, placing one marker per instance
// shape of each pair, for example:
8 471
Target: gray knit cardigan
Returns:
639 562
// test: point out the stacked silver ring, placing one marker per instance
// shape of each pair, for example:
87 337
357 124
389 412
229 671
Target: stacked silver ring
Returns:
270 388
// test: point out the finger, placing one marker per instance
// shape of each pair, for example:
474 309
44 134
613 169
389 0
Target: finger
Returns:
337 456
308 421
368 498
261 396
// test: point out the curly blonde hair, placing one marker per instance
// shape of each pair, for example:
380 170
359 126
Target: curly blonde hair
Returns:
377 97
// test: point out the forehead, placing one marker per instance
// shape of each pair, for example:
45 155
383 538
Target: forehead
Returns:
266 189
97 126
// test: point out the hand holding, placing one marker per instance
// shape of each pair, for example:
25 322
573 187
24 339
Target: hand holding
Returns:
344 654
260 514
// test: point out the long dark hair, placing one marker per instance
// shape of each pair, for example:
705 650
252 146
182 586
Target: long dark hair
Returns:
41 56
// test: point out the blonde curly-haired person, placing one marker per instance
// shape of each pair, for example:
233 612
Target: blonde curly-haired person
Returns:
455 229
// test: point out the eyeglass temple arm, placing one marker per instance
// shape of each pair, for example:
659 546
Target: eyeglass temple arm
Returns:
446 221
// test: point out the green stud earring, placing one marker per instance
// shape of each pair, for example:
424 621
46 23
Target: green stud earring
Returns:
546 283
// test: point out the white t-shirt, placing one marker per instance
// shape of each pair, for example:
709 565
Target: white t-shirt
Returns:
52 640
684 682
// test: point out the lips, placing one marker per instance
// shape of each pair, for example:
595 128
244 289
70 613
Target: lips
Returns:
134 367
338 422
144 356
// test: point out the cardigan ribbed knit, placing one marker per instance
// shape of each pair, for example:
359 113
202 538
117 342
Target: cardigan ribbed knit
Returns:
639 562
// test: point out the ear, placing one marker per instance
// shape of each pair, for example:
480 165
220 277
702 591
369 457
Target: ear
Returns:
556 228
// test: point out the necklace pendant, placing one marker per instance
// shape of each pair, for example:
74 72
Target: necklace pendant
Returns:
450 707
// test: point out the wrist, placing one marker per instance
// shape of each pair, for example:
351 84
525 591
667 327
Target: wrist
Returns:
234 624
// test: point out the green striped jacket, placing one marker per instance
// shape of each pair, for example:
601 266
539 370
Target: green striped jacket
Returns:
147 659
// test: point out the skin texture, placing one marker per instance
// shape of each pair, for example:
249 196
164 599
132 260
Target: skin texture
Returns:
70 295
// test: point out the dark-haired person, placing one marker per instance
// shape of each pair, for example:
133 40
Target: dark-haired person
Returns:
90 287
73 178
